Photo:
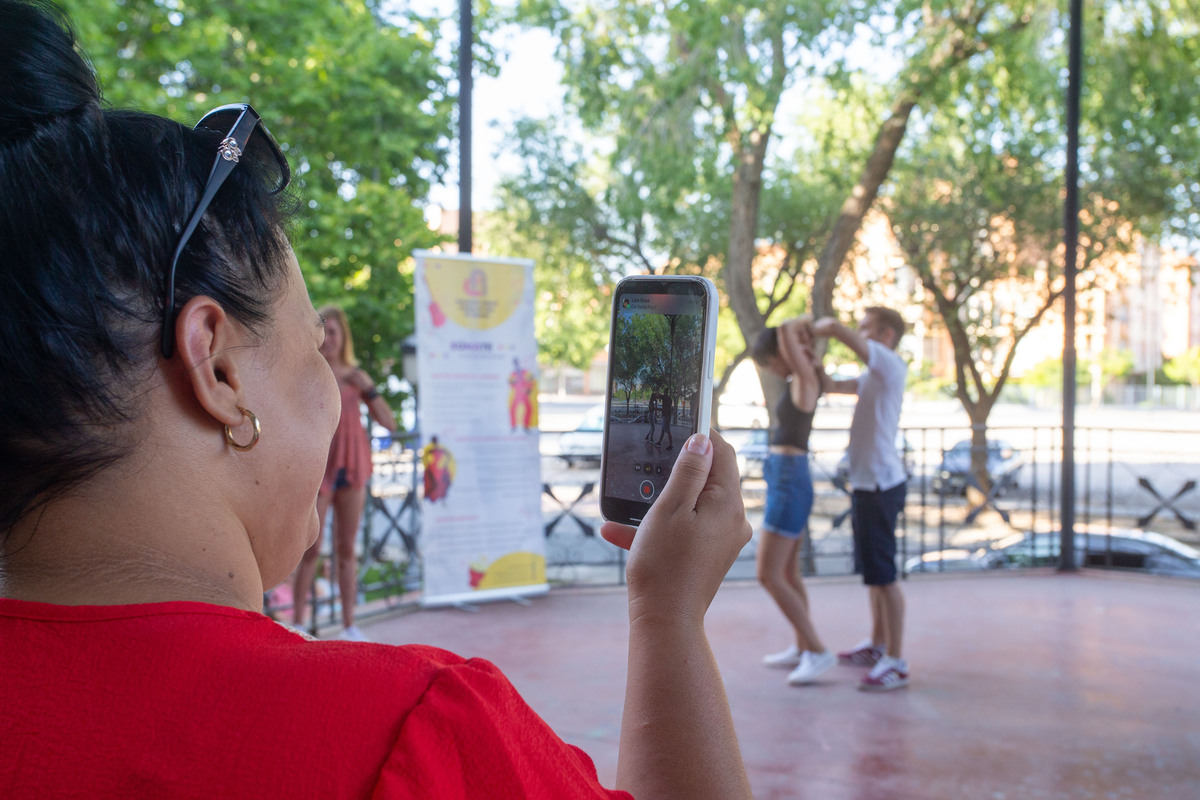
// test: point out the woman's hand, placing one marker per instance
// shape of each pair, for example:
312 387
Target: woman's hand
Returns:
689 539
677 735
377 406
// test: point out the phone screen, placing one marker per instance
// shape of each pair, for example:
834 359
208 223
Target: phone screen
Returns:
659 387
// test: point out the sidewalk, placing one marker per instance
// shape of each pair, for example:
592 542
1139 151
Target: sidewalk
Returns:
1026 685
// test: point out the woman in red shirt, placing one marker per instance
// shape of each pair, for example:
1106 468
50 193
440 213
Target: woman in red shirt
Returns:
166 416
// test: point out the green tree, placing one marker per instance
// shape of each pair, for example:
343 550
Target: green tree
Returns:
360 103
573 291
1113 365
1140 133
976 206
1184 368
685 98
636 358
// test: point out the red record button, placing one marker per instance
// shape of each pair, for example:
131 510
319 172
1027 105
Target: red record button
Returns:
647 490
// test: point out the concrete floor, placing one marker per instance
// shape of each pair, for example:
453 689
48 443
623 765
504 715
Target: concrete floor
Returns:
1024 685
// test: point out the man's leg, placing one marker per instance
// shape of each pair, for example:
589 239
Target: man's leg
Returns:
861 516
888 603
880 511
891 503
878 614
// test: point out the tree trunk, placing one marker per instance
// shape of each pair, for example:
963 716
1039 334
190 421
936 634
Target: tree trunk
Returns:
856 206
743 229
982 479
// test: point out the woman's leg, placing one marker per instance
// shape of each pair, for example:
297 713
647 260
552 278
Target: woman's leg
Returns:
793 575
347 513
776 559
306 571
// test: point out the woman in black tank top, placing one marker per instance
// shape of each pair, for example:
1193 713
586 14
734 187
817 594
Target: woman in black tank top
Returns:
787 352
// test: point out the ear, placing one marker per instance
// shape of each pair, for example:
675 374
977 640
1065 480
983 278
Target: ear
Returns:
209 343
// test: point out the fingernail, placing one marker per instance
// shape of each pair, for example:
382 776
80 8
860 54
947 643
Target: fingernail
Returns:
698 443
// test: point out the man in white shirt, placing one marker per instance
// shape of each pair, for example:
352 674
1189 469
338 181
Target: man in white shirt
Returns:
878 478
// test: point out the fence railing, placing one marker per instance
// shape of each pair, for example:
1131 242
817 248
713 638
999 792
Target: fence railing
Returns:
1126 479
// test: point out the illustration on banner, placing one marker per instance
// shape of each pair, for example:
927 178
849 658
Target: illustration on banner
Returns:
439 466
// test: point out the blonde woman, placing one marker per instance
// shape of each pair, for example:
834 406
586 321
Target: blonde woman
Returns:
344 487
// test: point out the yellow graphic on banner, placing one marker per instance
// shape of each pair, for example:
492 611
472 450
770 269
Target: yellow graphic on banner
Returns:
514 569
475 295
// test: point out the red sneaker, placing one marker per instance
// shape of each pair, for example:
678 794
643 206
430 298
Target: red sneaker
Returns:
864 654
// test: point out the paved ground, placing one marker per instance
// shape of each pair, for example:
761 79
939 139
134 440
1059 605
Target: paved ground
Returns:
1029 685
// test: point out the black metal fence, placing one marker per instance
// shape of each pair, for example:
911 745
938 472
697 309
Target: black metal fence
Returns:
1129 481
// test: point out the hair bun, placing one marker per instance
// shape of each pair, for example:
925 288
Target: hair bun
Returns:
42 75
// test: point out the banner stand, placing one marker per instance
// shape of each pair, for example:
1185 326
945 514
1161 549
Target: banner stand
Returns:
482 534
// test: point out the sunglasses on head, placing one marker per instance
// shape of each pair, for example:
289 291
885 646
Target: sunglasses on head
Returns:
238 121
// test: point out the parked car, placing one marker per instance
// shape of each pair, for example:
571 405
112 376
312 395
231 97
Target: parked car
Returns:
1121 548
583 445
953 475
751 447
841 473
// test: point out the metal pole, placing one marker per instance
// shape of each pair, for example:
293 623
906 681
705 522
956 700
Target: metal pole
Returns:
1071 237
466 36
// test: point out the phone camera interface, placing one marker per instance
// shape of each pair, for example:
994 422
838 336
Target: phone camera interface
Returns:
656 374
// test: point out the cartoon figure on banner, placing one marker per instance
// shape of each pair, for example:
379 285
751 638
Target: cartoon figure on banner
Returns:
522 398
476 571
439 470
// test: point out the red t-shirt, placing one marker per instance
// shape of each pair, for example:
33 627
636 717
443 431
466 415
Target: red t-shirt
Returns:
196 700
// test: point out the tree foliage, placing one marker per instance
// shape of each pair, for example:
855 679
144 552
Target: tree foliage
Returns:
974 204
1185 367
361 104
1141 124
689 166
573 291
692 174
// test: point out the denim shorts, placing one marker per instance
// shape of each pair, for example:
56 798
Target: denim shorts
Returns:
873 520
789 494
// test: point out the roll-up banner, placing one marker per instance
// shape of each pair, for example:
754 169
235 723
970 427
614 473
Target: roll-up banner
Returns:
481 532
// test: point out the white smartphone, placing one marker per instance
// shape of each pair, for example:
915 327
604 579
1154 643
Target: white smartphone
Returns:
660 377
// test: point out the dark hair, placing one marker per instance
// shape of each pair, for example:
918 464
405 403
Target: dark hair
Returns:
889 318
93 203
764 346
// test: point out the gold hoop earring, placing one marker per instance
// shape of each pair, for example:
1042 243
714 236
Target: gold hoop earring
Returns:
253 441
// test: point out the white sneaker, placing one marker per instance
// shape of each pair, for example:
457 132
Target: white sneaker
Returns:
812 666
785 659
890 673
353 634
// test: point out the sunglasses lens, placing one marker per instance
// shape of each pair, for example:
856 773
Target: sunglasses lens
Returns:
274 164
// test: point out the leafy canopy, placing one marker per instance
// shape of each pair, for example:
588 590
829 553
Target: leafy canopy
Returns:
361 104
